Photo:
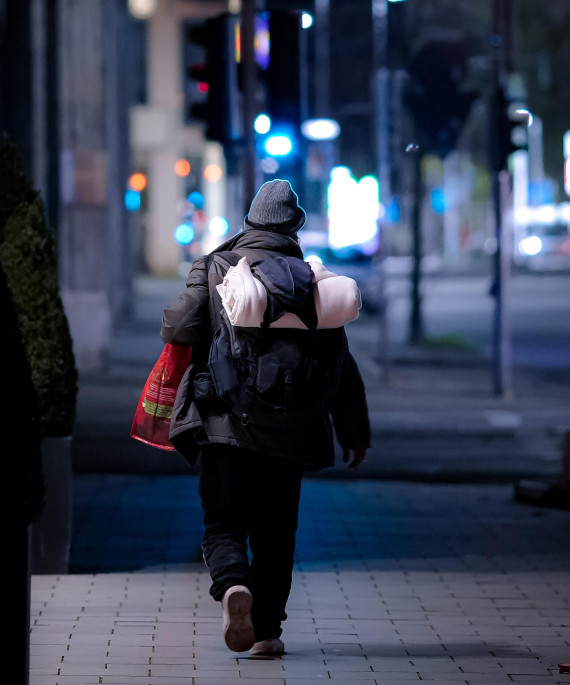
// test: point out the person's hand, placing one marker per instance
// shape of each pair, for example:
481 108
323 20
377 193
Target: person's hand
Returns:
354 456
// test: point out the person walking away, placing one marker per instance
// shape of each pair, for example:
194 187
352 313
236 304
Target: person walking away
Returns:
254 450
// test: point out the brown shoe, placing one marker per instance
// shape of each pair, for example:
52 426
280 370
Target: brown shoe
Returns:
238 628
273 647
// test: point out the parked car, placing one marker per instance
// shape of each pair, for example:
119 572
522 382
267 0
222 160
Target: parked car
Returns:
543 242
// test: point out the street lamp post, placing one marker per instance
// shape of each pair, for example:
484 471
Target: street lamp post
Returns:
501 336
382 112
248 101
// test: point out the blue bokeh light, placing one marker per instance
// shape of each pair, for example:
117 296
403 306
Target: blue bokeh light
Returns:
132 200
197 199
438 200
184 234
278 145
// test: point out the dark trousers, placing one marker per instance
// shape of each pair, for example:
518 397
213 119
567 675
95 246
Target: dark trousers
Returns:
251 497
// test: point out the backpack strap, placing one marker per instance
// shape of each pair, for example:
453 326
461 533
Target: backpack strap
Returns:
224 260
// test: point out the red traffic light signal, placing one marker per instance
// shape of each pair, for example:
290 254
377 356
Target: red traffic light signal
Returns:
210 76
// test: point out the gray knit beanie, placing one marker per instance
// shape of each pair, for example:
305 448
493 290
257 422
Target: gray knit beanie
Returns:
276 208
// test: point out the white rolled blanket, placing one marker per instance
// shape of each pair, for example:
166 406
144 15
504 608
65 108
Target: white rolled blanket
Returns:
243 296
337 298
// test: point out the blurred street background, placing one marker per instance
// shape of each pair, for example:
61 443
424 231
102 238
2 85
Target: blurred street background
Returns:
429 143
423 138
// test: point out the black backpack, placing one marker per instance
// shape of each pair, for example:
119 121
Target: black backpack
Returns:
265 376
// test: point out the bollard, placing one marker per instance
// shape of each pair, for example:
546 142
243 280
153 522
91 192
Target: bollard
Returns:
549 494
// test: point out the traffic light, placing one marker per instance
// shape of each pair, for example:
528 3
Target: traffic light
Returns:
285 75
194 61
210 77
509 123
435 96
284 79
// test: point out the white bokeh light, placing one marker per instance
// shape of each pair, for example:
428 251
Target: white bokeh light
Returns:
353 209
142 9
530 246
262 124
320 129
279 145
218 226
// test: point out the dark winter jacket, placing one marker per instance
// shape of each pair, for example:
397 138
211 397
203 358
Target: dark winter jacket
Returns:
193 424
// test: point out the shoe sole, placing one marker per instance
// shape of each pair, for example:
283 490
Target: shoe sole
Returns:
276 650
267 653
239 634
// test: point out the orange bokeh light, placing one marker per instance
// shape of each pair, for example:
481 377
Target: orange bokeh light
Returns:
213 173
182 167
137 181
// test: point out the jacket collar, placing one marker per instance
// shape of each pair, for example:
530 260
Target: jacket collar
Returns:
254 239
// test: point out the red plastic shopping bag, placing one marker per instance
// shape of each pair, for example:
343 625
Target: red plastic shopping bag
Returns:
151 424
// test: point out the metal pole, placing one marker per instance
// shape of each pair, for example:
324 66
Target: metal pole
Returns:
502 362
497 290
506 243
321 101
416 323
322 89
248 101
381 90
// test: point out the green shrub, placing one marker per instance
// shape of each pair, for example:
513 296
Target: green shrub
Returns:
28 259
452 341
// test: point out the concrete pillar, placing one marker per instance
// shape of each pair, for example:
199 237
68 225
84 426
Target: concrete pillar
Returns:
39 100
91 245
165 100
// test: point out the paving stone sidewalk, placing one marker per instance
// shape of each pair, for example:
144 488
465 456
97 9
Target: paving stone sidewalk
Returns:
393 583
